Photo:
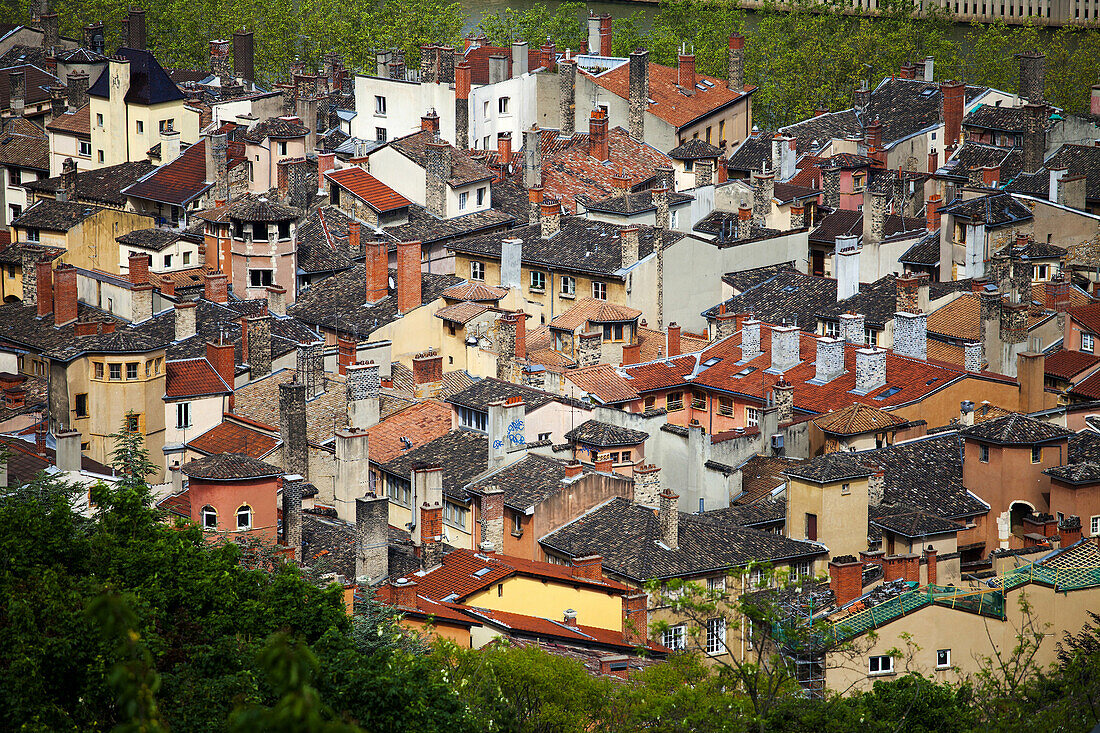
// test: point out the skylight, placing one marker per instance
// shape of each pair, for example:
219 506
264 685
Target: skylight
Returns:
888 393
712 361
480 573
745 372
708 82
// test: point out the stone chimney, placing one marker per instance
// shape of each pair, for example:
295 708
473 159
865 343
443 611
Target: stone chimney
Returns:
408 276
735 68
292 428
874 216
372 539
292 514
870 370
911 335
64 295
437 172
639 93
598 146
628 237
507 431
668 516
76 86
217 165
830 359
363 386
685 77
785 347
847 267
534 210
519 58
220 63
169 145
972 356
141 300
660 202
589 348
763 191
567 107
830 183
427 374
532 158
1032 75
783 399
852 328
492 518
244 55
185 320
462 108
647 485
550 218
704 173
846 579
17 92
259 345
68 456
51 32
750 340
1034 137
352 470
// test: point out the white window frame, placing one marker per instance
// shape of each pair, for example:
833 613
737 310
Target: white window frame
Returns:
455 515
568 286
85 148
463 198
246 511
280 146
717 585
752 417
207 513
674 637
477 270
1088 342
945 655
832 329
881 664
502 105
599 290
379 105
1094 526
183 415
480 196
716 636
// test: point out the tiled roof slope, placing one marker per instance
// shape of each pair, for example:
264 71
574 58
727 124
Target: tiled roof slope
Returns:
24 145
363 185
420 423
593 310
464 169
231 436
149 83
463 454
530 481
1016 429
99 185
178 182
1066 364
605 435
857 420
603 383
229 466
481 393
628 536
672 105
78 122
192 378
36 83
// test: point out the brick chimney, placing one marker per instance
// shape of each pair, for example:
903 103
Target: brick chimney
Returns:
462 105
605 35
427 370
668 516
222 357
64 295
44 287
933 160
673 340
932 213
846 578
589 567
636 619
138 265
345 353
534 210
430 121
685 77
597 135
930 561
1070 530
408 276
631 354
504 147
377 271
216 287
953 94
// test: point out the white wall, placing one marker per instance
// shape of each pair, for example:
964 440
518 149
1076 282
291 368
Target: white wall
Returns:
522 111
399 173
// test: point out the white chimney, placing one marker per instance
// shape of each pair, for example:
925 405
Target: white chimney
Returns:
847 267
870 370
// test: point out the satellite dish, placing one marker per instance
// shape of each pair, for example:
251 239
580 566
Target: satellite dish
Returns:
393 285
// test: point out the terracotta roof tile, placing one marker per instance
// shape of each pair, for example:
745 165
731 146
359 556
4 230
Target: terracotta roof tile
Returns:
1088 316
543 628
24 145
74 123
192 378
672 105
463 312
178 182
1089 387
474 291
596 311
1066 364
959 319
363 185
233 436
419 424
857 419
603 382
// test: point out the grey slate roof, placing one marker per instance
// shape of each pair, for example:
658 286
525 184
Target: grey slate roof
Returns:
1084 447
926 475
635 203
229 467
463 454
100 185
1076 473
54 216
316 253
832 467
479 394
694 149
913 524
926 252
275 127
528 482
594 432
1079 159
628 536
783 296
154 239
995 209
1016 429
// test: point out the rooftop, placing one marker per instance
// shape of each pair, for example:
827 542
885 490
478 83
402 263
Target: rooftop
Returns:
605 435
229 467
1016 429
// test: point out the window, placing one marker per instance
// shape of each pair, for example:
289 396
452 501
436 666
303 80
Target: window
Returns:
485 115
33 235
802 569
481 196
11 270
454 514
752 417
380 134
98 368
99 120
832 329
689 165
1036 454
599 290
167 260
131 370
149 368
870 337
544 436
859 182
811 529
1094 526
133 423
81 405
716 585
1041 272
183 415
673 638
674 401
462 199
283 228
649 403
485 140
538 281
15 176
379 105
1087 342
673 219
100 156
477 270
140 127
716 628
568 286
115 371
517 524
166 125
708 134
186 258
721 131
613 332
399 491
698 400
281 147
943 658
244 517
626 456
209 517
502 105
883 664
473 419
983 453
757 578
260 278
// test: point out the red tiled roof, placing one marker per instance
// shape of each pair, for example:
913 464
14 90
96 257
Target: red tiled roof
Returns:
478 59
177 182
177 503
1077 298
231 436
192 378
672 105
420 423
1088 316
474 291
857 419
1068 364
427 607
597 311
1089 387
363 185
545 627
912 378
456 575
568 171
603 382
73 123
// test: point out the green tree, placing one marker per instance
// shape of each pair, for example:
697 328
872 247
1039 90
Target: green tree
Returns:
564 25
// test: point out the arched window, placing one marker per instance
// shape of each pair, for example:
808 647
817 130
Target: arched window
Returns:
244 517
209 517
